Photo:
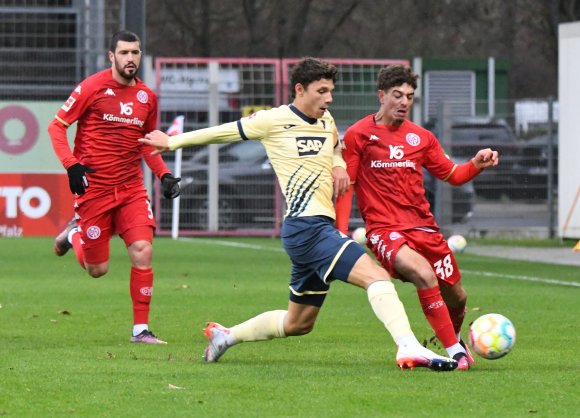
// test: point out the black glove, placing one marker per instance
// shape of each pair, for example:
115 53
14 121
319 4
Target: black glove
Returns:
77 179
170 186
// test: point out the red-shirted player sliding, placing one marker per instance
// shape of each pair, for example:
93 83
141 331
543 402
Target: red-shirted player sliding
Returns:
113 109
385 153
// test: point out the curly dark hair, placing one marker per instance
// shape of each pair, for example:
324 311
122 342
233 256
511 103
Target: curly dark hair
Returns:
125 36
396 75
309 69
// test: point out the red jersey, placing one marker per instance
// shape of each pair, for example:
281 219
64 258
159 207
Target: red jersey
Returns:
385 163
110 118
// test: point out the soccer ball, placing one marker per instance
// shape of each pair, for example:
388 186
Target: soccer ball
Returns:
456 243
359 235
492 336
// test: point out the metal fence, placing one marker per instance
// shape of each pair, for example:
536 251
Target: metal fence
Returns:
516 199
244 198
247 200
47 47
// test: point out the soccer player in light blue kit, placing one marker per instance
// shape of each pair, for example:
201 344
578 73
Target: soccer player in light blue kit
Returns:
302 144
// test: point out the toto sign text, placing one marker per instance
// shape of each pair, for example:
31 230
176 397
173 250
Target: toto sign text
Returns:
34 204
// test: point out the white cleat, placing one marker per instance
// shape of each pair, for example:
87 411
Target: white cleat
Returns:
216 335
419 356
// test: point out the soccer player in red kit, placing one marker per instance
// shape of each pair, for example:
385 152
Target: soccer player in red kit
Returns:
385 154
113 109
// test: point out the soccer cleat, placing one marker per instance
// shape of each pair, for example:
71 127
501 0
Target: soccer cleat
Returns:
216 336
470 358
462 361
419 356
61 242
147 337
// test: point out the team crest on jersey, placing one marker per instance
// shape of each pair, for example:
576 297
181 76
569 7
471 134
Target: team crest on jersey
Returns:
93 232
309 145
413 139
142 96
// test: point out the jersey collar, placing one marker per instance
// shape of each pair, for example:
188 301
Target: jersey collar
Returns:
301 115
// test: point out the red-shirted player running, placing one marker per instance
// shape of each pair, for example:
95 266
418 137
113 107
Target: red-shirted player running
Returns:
113 109
385 153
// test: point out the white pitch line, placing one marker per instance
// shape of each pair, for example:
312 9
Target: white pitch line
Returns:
481 273
232 244
523 278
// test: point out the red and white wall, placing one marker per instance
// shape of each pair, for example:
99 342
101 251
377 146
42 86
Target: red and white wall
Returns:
34 196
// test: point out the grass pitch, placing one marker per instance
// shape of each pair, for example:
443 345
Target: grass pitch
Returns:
64 347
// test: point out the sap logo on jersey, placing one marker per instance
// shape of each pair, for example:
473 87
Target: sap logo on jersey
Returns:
309 145
33 202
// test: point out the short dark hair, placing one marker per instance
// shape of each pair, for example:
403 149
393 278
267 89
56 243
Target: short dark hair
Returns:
309 69
125 36
394 75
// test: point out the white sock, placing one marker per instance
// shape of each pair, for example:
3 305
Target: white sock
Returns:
71 233
265 326
407 341
139 328
454 349
389 309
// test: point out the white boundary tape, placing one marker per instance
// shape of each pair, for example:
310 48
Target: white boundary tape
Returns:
480 273
523 278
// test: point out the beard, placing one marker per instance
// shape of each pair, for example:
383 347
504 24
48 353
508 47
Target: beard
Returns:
128 73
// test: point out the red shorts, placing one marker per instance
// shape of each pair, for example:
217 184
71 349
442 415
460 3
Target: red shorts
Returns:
385 245
123 210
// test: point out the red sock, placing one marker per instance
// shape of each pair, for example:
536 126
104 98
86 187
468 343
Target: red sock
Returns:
141 288
437 314
457 316
77 244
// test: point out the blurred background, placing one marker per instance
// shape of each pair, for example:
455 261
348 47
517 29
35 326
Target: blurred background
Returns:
489 78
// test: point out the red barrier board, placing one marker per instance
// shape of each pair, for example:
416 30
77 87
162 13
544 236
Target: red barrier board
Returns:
34 204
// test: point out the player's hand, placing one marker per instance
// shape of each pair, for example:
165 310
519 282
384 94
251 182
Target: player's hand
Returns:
341 181
170 186
77 178
157 139
485 158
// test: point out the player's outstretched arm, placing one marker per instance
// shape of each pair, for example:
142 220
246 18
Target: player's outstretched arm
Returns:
221 134
157 139
485 158
465 172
